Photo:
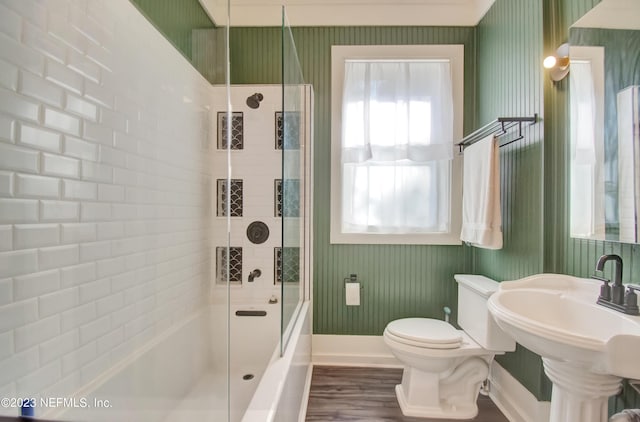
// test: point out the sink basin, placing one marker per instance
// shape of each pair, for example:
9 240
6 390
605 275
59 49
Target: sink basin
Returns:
556 317
586 348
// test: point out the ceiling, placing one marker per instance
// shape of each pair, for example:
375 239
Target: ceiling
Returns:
349 12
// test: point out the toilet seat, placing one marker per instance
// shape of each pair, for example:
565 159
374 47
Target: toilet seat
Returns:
424 332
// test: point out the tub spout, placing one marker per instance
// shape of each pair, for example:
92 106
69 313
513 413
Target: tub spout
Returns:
254 274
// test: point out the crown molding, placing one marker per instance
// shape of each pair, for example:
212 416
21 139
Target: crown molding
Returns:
612 14
349 12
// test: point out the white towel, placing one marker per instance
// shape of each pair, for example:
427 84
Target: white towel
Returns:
481 218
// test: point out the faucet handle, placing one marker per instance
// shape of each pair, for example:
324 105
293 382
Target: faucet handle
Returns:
605 289
631 299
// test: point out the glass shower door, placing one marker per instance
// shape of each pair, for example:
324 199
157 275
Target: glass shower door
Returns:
293 182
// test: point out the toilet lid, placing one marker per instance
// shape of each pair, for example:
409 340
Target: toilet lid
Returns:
426 331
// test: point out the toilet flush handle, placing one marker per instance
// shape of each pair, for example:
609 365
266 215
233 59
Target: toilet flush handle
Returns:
447 313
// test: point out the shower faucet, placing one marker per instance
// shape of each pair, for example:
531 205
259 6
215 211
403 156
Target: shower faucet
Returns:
253 101
254 274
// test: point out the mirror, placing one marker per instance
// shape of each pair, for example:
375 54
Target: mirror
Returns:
604 135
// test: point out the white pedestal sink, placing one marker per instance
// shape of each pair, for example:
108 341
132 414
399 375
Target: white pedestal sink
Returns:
586 349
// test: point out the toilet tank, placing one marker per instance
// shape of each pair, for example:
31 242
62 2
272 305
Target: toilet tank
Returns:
474 316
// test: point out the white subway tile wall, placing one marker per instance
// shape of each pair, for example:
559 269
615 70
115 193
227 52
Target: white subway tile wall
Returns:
104 190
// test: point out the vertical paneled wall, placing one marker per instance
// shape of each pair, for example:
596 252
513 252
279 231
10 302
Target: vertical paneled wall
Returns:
176 20
562 253
510 84
104 192
398 280
188 27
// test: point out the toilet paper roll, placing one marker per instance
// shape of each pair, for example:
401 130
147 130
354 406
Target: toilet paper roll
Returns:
352 294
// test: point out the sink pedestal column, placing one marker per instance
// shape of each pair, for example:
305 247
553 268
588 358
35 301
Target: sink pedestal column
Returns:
579 395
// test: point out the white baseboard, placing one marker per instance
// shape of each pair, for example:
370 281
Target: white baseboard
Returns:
351 351
513 399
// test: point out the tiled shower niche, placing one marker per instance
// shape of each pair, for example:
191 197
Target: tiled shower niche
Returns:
237 130
286 262
235 264
289 205
288 136
235 195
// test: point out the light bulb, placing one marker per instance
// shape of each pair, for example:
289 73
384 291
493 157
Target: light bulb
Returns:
549 62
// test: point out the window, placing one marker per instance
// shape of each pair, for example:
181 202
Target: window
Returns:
396 111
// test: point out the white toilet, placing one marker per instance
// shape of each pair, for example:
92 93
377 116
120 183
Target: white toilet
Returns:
445 367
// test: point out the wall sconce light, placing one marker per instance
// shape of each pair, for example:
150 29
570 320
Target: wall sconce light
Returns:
558 64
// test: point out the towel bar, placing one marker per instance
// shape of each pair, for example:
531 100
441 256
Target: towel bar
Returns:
499 127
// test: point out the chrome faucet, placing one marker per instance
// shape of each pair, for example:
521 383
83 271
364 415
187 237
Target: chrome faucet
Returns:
614 296
254 274
617 291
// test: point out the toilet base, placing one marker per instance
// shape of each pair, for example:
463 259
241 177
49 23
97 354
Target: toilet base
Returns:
450 394
438 411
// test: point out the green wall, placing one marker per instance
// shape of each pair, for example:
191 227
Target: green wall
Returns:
510 84
512 39
175 20
503 76
507 46
562 253
417 280
398 280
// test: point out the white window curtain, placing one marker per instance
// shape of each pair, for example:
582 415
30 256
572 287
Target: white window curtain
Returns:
397 146
587 186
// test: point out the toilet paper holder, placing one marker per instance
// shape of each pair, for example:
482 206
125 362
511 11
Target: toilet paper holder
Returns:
353 278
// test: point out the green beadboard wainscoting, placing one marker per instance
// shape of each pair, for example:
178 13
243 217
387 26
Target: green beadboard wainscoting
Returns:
187 26
562 253
175 20
503 76
398 280
510 84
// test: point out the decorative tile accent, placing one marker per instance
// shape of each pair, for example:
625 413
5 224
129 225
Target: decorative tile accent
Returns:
288 129
277 197
235 264
236 194
286 264
287 201
237 130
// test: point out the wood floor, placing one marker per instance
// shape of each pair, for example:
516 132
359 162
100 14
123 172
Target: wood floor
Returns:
341 393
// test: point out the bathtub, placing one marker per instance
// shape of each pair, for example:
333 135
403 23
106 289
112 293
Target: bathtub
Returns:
282 393
192 384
